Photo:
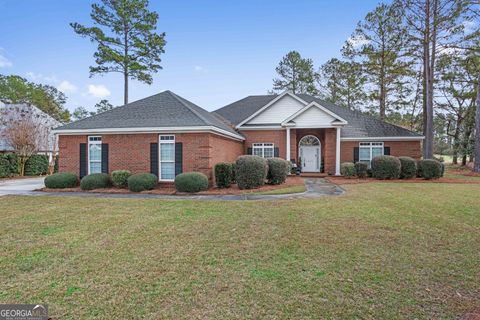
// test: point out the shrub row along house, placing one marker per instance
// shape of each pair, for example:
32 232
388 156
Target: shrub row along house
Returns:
166 135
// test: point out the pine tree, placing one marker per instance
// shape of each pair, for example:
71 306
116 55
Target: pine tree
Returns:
125 32
295 74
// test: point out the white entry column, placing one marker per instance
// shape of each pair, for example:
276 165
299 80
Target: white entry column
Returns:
337 153
288 143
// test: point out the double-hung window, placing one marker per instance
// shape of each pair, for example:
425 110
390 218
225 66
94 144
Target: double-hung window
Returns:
167 157
264 150
94 155
369 150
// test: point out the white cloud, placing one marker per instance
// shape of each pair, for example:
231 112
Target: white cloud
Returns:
199 69
66 87
98 91
4 62
40 77
357 42
469 26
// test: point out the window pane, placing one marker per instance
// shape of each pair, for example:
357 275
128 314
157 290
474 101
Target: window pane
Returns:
95 167
257 152
167 170
167 152
376 151
364 153
268 152
95 152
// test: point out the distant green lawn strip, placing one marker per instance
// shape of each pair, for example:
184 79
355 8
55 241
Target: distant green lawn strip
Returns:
286 190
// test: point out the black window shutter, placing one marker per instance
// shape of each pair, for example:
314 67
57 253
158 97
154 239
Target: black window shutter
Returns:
276 153
386 151
154 158
356 151
249 150
104 157
83 160
178 158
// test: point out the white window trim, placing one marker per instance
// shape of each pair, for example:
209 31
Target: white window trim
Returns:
369 146
88 151
263 146
160 141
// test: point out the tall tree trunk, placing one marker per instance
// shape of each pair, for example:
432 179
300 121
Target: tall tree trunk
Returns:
456 143
125 88
476 165
125 67
428 64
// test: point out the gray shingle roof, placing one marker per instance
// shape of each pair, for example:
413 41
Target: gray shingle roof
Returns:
359 124
165 109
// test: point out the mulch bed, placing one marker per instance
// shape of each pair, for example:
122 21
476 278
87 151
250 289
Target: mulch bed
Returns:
169 189
343 180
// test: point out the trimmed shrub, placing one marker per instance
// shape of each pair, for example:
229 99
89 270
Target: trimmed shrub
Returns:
55 166
347 169
361 170
419 169
95 181
36 165
430 169
234 167
120 178
61 180
408 168
251 171
278 170
8 165
386 167
223 174
443 169
191 182
142 181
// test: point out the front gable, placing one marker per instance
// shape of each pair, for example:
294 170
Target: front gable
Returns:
278 111
314 116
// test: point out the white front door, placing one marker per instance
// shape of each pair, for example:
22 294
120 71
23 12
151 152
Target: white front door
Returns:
310 158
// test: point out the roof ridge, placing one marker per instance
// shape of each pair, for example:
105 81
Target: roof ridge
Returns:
190 108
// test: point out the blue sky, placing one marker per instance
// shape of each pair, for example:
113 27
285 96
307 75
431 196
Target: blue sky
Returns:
217 51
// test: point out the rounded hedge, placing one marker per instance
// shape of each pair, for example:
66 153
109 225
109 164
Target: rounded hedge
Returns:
61 180
250 171
430 169
223 174
361 170
234 167
347 169
36 165
386 167
142 181
120 178
95 181
408 168
277 170
191 182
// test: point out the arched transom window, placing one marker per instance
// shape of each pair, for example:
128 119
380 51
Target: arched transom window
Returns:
309 141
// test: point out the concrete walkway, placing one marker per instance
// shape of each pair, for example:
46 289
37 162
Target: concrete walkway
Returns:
20 186
316 187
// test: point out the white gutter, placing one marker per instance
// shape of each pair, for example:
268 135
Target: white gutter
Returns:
140 130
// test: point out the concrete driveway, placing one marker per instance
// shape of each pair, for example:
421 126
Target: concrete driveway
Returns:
20 186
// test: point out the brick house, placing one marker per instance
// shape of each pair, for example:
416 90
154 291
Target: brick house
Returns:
166 134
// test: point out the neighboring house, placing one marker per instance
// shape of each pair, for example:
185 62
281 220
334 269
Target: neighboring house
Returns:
166 135
9 113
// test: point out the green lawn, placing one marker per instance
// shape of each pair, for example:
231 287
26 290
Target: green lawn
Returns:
382 251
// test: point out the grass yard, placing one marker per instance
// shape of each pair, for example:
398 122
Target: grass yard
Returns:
382 251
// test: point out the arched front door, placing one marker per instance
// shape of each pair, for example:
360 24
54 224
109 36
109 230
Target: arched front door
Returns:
310 154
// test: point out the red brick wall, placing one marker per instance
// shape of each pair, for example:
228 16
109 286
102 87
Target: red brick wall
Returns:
277 137
132 151
329 155
397 148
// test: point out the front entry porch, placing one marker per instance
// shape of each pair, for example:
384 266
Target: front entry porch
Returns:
314 150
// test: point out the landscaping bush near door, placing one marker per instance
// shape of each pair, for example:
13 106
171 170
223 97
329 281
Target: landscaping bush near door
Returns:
408 168
191 182
120 178
347 169
142 181
361 170
95 181
250 172
386 167
278 170
223 174
8 165
61 180
36 165
430 169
